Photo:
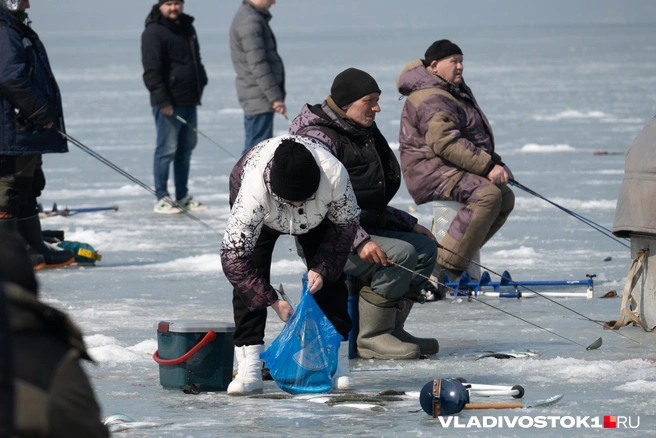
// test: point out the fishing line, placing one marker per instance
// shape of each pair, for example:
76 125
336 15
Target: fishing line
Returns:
596 344
197 131
532 290
603 230
111 165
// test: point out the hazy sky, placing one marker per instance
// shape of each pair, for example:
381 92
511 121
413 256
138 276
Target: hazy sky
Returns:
129 15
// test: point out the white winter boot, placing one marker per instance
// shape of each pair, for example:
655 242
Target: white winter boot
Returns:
249 372
342 379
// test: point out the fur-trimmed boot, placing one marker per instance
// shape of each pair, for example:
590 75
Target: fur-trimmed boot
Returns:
426 345
30 230
249 371
375 339
342 379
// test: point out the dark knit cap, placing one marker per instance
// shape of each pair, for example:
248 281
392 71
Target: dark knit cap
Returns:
15 265
295 174
351 85
440 49
161 2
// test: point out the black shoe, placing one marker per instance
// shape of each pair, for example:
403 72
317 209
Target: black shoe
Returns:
30 230
37 260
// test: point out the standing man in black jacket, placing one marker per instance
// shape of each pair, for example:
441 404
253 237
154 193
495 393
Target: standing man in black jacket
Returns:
175 77
31 119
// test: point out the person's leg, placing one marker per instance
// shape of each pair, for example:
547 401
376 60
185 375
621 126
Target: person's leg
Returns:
14 185
507 205
426 250
257 128
187 140
9 193
250 326
378 302
389 283
30 182
472 223
167 143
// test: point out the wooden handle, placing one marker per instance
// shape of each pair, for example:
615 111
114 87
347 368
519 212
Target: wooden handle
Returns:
511 405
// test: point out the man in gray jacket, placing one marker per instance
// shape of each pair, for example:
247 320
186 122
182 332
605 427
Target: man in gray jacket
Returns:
260 72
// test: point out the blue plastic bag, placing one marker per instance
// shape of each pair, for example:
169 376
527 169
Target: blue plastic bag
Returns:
303 358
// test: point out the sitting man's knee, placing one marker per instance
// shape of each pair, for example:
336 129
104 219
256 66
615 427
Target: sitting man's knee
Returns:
404 254
508 200
490 195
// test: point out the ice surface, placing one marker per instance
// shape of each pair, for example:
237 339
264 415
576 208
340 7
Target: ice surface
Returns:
164 268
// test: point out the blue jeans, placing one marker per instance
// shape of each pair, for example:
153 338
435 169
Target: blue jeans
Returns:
175 141
257 128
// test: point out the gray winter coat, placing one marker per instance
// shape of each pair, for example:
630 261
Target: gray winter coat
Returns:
253 50
636 204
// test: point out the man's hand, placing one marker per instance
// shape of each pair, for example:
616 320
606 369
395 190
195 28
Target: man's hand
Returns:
283 309
315 282
510 174
498 175
167 110
279 107
49 125
420 229
370 252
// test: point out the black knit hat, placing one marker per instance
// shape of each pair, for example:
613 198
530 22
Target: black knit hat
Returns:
351 85
295 174
15 265
440 49
161 2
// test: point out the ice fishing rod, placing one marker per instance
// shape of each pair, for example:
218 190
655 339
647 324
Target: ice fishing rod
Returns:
532 290
113 166
197 131
596 344
603 230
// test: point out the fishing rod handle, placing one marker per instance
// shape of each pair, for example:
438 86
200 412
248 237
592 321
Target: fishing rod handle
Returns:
515 393
511 405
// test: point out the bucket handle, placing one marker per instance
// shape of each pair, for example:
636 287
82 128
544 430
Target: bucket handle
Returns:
209 337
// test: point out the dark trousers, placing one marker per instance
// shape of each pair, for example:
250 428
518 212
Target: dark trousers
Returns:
332 298
21 183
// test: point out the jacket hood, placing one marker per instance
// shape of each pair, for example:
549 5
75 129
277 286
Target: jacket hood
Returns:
155 17
324 115
415 77
28 314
